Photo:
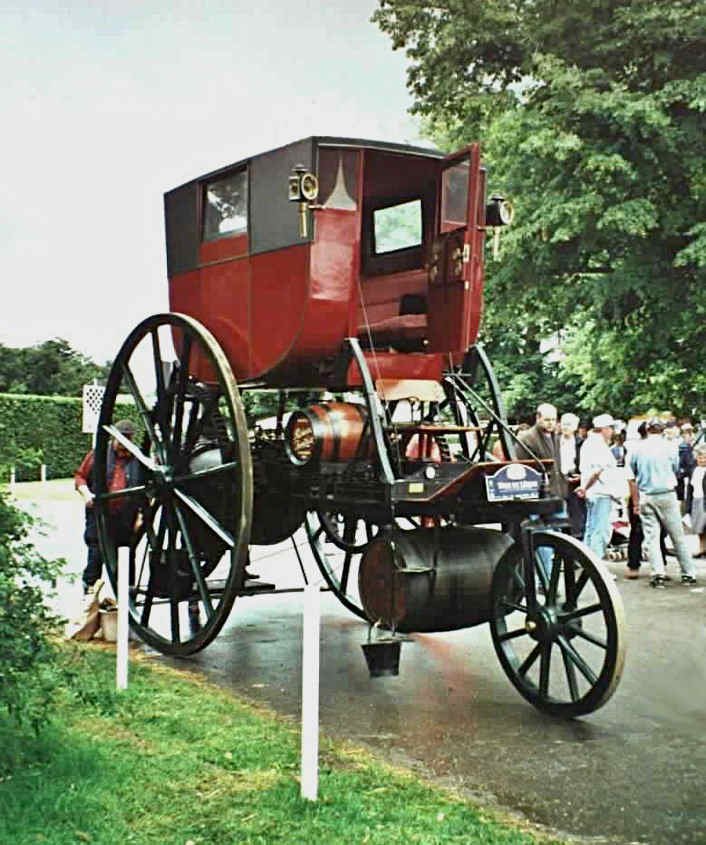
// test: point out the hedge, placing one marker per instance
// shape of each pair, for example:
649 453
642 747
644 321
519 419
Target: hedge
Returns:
38 430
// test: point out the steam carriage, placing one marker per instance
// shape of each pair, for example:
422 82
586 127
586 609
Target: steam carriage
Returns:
343 279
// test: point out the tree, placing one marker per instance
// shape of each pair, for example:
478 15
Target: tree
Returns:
50 368
593 120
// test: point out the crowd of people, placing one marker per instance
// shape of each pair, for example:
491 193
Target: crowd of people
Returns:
651 471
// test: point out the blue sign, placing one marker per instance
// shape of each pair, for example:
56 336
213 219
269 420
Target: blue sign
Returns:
514 481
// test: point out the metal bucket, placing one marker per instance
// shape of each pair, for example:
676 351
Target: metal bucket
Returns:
109 624
382 657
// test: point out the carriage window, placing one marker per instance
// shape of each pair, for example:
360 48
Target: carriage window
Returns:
397 227
225 206
454 196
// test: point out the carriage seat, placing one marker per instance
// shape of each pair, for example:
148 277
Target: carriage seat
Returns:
396 310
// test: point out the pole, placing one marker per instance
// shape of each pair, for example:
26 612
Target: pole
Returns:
123 619
43 473
311 631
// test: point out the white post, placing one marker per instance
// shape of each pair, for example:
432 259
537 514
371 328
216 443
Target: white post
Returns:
12 477
43 473
123 619
310 692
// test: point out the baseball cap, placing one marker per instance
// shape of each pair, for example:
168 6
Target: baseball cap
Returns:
125 427
687 427
655 424
603 421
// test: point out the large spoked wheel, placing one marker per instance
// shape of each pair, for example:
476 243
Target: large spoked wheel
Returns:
561 639
338 542
187 509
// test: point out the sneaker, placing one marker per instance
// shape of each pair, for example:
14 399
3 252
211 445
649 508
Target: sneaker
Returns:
658 582
631 574
688 579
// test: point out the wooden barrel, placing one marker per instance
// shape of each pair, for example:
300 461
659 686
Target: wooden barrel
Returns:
333 431
430 579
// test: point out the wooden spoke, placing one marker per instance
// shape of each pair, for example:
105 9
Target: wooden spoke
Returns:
576 659
205 516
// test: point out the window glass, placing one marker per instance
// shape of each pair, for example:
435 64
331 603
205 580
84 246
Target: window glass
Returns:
454 196
398 227
225 206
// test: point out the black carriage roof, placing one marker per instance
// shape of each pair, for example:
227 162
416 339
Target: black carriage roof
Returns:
326 141
271 223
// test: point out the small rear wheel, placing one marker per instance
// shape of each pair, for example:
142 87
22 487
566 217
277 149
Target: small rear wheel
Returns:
193 501
562 643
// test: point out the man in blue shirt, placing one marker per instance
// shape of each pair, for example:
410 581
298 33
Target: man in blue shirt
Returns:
654 464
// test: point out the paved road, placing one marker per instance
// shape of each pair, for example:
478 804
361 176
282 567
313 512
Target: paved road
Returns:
635 771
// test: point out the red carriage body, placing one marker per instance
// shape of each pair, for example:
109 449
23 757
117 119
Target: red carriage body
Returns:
280 303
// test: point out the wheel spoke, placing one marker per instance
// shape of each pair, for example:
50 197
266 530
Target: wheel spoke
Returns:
577 660
195 566
205 473
345 572
162 401
586 635
182 379
134 450
196 426
570 676
554 579
544 667
140 489
511 635
541 573
582 611
206 517
529 661
142 408
581 583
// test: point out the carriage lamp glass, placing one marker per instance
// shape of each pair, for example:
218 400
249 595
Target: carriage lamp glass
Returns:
499 212
309 187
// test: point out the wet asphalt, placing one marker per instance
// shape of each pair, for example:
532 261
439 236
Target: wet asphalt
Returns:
632 772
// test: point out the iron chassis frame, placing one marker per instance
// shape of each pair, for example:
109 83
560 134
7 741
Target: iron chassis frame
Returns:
376 487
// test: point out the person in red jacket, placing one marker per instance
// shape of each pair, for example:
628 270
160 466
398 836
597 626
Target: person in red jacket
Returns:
123 470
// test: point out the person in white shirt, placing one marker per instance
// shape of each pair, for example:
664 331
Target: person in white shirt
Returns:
569 449
696 493
599 483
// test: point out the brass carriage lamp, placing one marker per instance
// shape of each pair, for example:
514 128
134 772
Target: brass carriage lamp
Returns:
304 189
498 213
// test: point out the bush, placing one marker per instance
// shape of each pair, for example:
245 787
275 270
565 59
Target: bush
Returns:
31 667
38 430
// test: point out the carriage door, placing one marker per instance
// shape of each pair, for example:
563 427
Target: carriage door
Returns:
456 256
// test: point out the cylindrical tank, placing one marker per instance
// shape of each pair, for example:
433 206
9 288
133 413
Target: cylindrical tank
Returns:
327 432
430 579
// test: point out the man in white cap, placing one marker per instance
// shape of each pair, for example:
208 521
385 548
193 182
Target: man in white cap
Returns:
599 483
654 463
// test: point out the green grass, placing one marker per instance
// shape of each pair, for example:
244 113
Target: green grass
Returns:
173 760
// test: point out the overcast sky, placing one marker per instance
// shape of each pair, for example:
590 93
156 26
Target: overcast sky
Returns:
106 105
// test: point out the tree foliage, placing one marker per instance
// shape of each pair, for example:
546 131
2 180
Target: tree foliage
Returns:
593 120
51 368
